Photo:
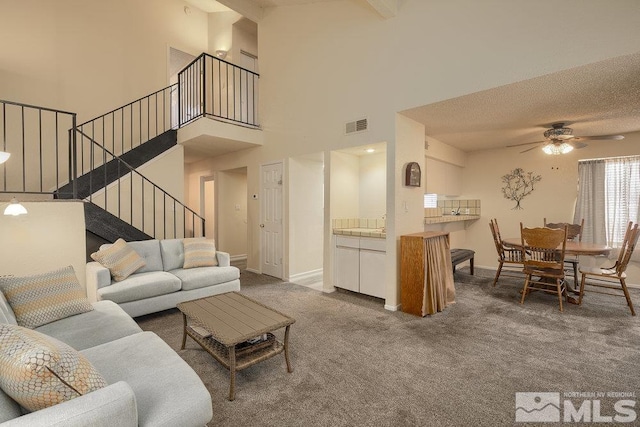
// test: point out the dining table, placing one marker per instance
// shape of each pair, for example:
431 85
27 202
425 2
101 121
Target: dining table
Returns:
571 248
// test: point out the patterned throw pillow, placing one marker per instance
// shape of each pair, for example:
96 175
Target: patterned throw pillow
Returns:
38 371
199 252
45 298
120 259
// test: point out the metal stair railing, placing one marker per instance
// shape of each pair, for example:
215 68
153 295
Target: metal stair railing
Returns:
133 124
135 199
34 136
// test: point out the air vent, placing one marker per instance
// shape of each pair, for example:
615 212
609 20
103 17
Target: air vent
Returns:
356 126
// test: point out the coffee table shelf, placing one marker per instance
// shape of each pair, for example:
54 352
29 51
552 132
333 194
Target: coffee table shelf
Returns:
221 325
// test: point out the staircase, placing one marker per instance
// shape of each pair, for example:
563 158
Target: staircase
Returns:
97 161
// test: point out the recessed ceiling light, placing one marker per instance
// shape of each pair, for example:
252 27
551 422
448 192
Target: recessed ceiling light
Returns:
370 150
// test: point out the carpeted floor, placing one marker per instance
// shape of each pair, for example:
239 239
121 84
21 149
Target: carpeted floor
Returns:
356 364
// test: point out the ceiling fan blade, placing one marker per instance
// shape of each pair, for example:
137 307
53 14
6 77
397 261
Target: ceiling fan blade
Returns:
525 143
577 145
599 138
528 149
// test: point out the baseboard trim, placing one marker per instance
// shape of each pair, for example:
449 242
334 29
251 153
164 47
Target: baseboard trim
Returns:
306 275
251 270
392 307
238 257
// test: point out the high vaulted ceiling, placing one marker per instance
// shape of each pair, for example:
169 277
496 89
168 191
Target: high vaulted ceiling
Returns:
253 9
602 98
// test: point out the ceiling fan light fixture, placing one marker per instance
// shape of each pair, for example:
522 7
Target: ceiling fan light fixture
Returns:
559 133
556 148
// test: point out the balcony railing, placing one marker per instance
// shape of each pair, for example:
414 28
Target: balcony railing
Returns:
212 87
40 146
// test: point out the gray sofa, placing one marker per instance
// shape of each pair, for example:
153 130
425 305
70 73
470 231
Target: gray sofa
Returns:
162 283
149 383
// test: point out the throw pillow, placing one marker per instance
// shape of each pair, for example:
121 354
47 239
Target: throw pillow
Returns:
199 252
120 259
38 371
45 298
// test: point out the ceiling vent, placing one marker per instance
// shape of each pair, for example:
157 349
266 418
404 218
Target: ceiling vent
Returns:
356 126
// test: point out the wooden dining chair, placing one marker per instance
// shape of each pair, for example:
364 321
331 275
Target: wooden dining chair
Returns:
543 257
574 232
613 278
509 258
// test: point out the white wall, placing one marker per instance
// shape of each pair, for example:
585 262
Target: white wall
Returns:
306 214
231 203
373 185
345 188
49 237
220 30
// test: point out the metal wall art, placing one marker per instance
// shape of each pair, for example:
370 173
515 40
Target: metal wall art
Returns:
518 185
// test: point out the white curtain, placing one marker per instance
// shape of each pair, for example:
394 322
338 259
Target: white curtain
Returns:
608 198
591 203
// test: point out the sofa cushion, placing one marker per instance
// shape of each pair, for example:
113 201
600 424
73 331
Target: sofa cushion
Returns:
106 322
194 278
38 371
149 250
140 286
168 392
120 259
199 252
44 298
172 254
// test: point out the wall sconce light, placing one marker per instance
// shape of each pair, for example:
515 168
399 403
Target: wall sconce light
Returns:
15 208
4 156
221 53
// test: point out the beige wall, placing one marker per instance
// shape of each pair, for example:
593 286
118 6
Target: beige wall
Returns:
165 171
92 56
373 185
220 31
306 215
49 237
231 202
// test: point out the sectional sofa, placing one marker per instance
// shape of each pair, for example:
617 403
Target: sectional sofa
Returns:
162 282
148 383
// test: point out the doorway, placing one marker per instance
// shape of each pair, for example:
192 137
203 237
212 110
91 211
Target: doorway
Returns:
208 206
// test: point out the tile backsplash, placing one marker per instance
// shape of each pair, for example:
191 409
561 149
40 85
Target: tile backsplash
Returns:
466 207
357 223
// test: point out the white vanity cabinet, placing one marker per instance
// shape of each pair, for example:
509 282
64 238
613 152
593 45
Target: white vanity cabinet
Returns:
359 264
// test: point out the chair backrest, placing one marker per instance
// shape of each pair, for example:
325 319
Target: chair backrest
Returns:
493 226
628 245
574 231
543 248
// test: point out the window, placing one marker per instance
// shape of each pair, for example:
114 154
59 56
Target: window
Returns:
608 197
430 200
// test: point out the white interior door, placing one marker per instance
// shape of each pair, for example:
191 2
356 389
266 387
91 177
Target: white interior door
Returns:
271 221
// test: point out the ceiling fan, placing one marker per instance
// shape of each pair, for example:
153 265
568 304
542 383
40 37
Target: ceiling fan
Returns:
560 140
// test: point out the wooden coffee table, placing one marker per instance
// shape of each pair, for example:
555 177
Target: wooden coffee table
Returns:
222 325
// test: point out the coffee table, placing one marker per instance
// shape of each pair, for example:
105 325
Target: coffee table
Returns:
222 324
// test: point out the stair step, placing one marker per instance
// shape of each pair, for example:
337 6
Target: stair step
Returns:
108 226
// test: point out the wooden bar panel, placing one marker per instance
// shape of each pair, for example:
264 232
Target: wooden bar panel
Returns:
413 283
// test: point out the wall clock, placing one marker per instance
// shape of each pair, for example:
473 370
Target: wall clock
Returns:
412 175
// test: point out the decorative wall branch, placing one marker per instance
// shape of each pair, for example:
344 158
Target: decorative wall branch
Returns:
518 185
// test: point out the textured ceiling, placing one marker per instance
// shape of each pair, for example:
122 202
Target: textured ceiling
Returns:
602 98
